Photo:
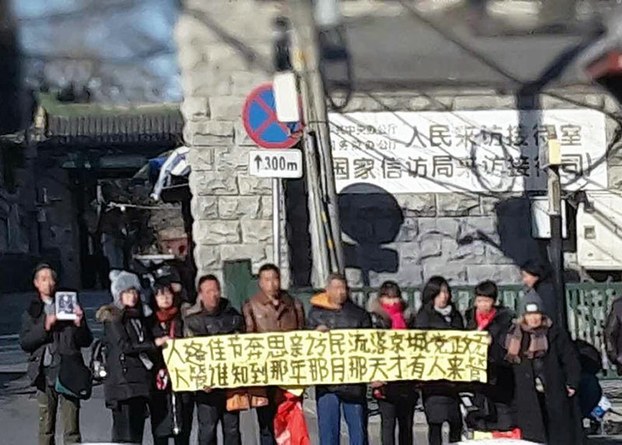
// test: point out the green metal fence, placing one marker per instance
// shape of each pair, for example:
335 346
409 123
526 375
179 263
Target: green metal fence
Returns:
588 303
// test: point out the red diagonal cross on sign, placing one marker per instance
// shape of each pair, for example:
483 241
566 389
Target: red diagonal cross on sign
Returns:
270 120
260 121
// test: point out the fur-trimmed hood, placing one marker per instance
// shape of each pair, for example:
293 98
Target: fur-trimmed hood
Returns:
108 313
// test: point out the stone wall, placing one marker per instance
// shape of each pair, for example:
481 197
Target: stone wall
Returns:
466 237
224 52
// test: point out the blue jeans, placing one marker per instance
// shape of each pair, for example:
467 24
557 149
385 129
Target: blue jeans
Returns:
329 408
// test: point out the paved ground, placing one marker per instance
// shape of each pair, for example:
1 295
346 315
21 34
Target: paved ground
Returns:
18 418
18 413
18 408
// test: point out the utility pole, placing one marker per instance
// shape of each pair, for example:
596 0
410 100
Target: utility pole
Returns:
555 250
317 132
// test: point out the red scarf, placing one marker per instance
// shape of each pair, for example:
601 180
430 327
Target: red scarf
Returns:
166 315
483 320
396 314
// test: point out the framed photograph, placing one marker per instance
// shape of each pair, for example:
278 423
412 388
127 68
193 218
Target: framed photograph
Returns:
66 303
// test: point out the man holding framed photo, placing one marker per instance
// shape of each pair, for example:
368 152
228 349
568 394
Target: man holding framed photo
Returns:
48 339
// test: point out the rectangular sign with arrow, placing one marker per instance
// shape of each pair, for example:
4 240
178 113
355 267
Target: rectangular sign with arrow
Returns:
275 163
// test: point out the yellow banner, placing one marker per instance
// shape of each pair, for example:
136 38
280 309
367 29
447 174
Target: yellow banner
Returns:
306 358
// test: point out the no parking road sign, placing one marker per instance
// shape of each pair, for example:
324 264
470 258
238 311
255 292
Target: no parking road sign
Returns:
261 123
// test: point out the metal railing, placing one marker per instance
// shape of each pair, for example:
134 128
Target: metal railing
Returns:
588 304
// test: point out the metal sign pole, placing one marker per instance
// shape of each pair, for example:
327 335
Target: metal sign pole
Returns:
276 220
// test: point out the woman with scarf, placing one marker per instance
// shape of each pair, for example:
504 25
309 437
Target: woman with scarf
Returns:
547 373
440 399
130 355
171 413
495 398
396 400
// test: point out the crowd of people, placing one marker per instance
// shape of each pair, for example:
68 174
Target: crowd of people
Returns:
533 368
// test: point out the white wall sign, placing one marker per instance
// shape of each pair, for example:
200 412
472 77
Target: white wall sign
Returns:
469 151
269 163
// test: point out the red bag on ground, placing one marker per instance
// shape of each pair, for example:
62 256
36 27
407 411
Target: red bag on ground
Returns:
514 434
290 427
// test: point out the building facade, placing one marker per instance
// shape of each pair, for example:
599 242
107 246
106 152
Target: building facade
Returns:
436 154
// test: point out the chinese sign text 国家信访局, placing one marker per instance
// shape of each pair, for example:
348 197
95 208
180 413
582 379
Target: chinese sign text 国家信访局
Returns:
306 358
474 151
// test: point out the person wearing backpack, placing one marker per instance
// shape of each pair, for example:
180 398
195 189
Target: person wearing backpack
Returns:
131 352
171 413
49 340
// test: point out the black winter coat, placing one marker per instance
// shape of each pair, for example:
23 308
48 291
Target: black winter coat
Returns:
500 385
440 399
65 338
166 412
500 376
199 323
128 376
350 316
560 368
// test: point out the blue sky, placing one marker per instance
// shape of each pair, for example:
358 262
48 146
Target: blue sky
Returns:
122 49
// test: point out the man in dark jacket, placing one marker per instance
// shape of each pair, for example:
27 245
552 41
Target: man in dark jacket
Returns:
47 339
333 309
496 320
213 315
271 310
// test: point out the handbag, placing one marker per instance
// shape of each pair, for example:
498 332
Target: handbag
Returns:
246 398
74 377
162 375
98 361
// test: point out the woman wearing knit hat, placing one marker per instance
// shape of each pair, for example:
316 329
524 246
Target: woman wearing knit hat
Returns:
546 373
130 353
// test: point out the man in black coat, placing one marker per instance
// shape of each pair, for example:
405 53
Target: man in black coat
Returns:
213 315
47 339
496 320
333 309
